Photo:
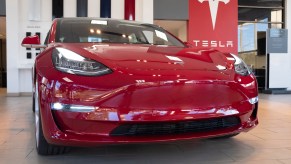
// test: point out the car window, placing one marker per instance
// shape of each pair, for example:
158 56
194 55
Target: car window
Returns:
158 37
112 31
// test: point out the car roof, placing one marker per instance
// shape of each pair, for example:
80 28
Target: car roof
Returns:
76 19
97 18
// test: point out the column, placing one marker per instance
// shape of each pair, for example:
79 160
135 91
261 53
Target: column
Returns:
93 8
144 11
70 8
46 10
12 22
117 9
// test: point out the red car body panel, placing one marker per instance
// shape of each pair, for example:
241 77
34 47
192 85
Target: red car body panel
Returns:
145 86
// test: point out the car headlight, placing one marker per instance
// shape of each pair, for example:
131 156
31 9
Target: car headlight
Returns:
68 61
240 66
253 100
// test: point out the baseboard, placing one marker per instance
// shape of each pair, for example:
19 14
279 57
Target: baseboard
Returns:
13 94
24 94
277 91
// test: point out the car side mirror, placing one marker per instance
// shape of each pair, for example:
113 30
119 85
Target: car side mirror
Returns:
32 42
188 44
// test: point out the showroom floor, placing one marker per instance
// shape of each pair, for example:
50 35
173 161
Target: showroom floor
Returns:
269 143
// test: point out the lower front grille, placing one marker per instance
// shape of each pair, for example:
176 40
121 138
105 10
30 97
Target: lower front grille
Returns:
166 128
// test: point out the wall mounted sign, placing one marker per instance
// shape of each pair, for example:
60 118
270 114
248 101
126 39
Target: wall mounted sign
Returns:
277 41
213 24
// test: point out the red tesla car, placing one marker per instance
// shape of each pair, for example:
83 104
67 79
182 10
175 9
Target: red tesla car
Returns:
102 81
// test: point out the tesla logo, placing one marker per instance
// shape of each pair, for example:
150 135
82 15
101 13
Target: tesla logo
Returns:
213 5
213 43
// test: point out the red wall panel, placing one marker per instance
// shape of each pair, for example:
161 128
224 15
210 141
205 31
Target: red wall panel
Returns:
207 31
129 9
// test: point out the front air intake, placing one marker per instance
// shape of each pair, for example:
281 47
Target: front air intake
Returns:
172 128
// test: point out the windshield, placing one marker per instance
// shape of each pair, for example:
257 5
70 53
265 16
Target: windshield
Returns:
112 31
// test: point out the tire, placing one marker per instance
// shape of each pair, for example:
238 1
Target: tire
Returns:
33 103
42 146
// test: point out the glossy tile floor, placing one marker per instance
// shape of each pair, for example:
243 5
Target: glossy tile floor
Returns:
269 143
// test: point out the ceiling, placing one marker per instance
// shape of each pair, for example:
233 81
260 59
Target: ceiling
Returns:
266 3
252 14
251 10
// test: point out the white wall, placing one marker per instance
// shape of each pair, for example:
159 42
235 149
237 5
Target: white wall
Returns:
12 20
70 8
288 58
19 21
93 8
117 9
144 11
22 18
182 33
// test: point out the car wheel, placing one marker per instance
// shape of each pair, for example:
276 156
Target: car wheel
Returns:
42 146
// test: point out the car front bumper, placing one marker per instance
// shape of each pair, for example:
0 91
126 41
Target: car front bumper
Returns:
141 104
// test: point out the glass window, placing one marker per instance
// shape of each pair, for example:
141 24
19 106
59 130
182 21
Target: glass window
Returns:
255 17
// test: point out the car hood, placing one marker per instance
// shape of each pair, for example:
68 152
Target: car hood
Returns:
151 57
